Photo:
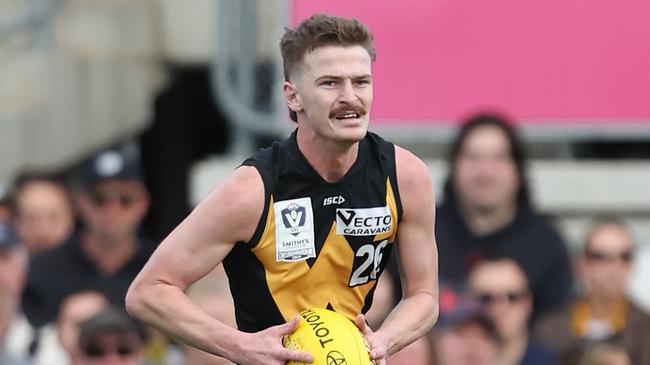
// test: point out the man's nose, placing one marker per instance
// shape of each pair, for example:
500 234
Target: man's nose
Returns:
348 93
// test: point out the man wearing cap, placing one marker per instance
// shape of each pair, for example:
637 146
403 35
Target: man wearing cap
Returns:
603 312
464 334
501 285
112 338
13 268
107 252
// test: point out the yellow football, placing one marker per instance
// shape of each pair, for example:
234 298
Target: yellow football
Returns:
330 338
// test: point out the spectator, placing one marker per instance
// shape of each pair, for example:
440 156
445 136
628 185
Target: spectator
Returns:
107 253
76 309
639 289
13 268
603 312
44 213
487 212
465 335
111 338
57 343
501 285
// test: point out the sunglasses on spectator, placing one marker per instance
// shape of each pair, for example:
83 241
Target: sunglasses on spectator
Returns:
487 298
96 350
598 256
101 200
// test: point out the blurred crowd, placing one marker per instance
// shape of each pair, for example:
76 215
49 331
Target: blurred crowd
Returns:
510 291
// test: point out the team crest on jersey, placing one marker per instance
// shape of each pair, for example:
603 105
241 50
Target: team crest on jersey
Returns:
294 217
294 230
363 222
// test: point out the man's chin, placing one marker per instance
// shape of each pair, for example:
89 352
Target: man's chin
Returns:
352 135
347 141
485 208
355 137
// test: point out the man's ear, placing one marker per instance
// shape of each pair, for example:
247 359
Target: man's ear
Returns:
291 96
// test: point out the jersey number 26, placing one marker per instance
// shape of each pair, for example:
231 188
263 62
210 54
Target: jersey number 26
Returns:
367 263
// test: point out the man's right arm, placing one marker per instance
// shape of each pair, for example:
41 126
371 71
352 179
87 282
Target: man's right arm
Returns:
229 214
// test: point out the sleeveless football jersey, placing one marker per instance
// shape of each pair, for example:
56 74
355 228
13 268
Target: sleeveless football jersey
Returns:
318 244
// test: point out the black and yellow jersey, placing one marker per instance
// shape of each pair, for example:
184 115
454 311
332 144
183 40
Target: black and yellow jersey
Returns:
318 244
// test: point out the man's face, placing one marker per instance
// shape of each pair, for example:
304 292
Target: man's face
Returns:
114 208
468 344
607 261
485 175
331 91
503 289
45 217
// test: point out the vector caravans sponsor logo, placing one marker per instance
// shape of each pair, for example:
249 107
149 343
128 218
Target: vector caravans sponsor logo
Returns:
363 221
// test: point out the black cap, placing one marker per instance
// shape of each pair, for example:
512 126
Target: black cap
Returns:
8 237
108 321
111 164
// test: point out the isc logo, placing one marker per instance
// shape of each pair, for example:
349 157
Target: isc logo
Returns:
333 200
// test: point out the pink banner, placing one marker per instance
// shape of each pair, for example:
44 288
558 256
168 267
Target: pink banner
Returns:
555 60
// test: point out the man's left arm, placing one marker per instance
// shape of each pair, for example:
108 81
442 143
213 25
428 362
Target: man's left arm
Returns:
416 313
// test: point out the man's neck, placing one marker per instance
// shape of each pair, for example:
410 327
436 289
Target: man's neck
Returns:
108 257
513 350
485 221
331 160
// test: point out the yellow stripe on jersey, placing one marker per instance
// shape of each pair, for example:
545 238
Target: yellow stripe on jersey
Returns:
392 204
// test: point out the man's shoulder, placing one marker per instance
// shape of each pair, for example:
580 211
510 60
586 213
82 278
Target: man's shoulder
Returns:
414 186
410 167
232 203
59 256
240 186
